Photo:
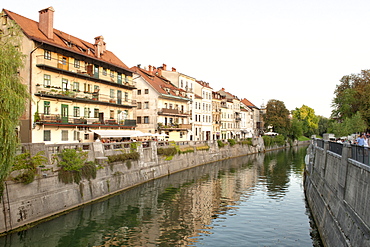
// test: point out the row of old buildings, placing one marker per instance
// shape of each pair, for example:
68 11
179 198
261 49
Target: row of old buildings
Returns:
80 89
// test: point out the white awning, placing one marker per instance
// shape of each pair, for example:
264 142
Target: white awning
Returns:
118 133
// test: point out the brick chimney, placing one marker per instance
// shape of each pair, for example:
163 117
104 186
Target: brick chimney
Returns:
173 69
100 46
164 66
46 19
150 69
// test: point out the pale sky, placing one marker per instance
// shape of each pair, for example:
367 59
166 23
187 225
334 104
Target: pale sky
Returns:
295 51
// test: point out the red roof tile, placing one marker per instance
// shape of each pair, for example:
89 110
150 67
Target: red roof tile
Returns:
31 30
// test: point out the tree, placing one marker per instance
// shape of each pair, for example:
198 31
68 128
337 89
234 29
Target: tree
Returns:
277 116
308 118
13 96
348 126
352 95
322 125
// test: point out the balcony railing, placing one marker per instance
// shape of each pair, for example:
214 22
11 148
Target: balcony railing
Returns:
173 126
166 111
57 119
57 92
84 69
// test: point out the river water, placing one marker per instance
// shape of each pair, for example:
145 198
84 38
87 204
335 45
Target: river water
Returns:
255 200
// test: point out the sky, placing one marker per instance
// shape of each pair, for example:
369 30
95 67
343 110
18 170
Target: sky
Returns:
294 51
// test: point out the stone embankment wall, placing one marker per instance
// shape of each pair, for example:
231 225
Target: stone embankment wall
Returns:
47 196
338 193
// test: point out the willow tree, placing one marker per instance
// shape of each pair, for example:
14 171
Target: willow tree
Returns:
13 96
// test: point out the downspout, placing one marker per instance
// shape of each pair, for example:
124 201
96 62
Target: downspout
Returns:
30 90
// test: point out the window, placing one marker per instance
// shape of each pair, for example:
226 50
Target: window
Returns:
104 71
86 112
146 91
138 105
146 105
96 113
111 93
64 84
47 80
146 119
126 96
64 135
76 86
138 92
76 111
138 120
76 135
86 136
77 63
47 135
111 114
47 107
47 55
111 73
182 84
119 78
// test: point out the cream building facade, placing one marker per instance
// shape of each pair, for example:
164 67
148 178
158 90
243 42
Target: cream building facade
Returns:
76 87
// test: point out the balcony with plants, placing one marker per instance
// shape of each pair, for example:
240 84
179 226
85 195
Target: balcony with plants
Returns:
83 71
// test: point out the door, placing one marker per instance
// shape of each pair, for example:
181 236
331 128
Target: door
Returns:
119 97
64 113
62 62
96 71
101 117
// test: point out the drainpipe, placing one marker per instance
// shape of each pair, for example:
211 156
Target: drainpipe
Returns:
30 90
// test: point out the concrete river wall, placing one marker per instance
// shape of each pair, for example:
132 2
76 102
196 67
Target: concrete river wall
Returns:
337 187
24 204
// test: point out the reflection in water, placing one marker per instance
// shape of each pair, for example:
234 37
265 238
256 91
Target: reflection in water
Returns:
256 200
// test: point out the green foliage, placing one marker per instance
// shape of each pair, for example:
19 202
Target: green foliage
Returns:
74 166
232 142
206 147
352 95
247 141
186 150
349 126
123 157
28 164
220 144
308 121
278 140
323 125
134 146
277 116
13 95
303 138
170 151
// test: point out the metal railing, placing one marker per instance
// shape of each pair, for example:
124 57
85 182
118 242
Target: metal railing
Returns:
360 154
336 147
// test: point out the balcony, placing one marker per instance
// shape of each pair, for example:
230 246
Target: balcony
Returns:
172 112
54 92
84 72
58 120
238 119
173 126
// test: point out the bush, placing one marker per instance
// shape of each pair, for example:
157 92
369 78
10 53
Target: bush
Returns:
123 157
232 142
74 166
171 151
28 164
220 144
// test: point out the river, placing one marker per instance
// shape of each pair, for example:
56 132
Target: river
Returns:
255 200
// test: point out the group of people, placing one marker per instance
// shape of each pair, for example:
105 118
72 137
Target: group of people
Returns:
362 140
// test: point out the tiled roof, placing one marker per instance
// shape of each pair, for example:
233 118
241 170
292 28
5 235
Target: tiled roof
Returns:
248 103
204 84
62 40
159 83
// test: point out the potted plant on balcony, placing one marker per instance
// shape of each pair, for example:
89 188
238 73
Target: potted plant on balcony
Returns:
36 117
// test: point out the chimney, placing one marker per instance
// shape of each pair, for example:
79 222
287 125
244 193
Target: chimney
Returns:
164 66
159 72
223 89
100 46
173 69
150 69
46 19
